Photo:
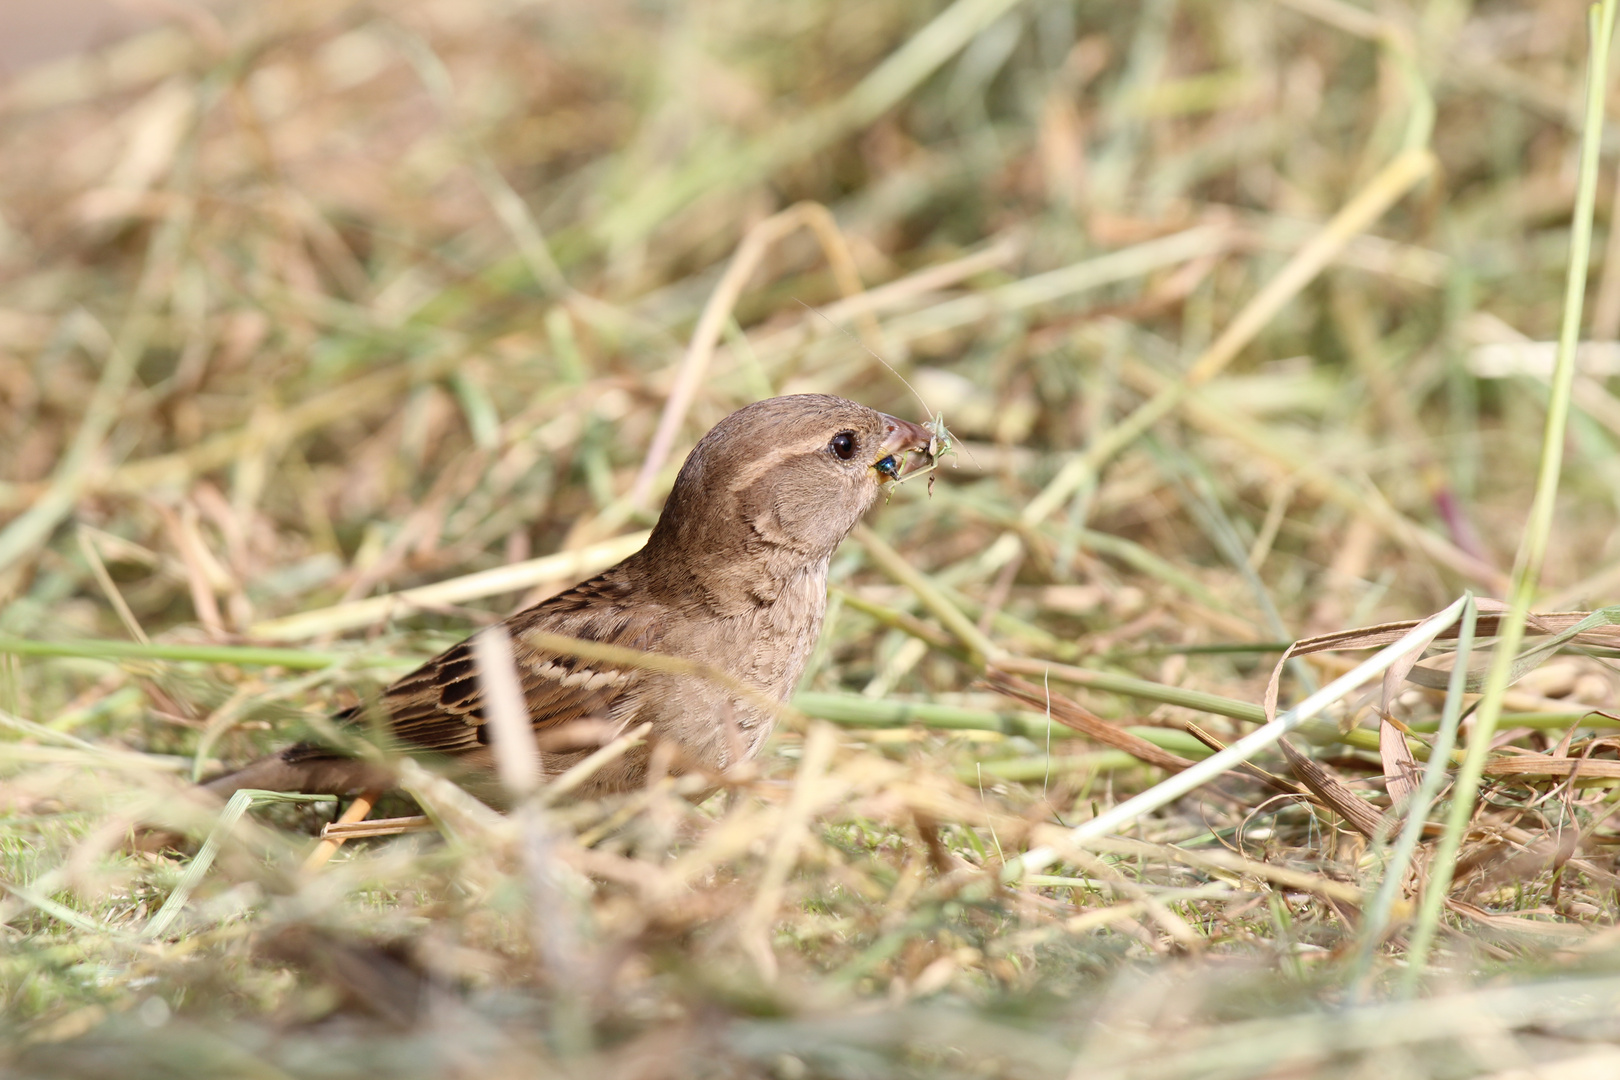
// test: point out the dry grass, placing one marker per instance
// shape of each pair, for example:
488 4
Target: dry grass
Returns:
328 332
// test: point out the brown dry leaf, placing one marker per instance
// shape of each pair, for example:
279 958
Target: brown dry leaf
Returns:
1553 768
1491 613
1271 780
1335 795
1072 714
1516 924
1400 767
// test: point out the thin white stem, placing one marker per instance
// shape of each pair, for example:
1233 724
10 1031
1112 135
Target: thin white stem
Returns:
1189 779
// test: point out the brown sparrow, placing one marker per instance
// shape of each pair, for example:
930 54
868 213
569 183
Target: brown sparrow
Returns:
733 578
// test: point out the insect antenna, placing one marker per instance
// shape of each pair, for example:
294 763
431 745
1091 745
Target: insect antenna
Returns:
942 443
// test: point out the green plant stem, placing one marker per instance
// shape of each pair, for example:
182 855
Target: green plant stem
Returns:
1417 814
929 595
1533 546
245 655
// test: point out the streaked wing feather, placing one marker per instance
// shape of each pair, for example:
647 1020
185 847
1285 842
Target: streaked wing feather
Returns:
439 706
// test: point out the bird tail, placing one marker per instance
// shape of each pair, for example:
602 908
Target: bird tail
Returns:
305 769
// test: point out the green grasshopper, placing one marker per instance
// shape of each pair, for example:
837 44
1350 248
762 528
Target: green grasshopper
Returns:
939 445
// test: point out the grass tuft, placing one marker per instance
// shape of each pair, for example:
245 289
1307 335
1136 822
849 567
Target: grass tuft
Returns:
331 333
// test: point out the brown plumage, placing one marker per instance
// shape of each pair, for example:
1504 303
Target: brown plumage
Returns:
733 577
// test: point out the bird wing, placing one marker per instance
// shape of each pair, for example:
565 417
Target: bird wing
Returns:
439 707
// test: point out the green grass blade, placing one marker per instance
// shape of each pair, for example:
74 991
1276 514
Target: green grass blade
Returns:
239 804
1417 815
244 655
1533 546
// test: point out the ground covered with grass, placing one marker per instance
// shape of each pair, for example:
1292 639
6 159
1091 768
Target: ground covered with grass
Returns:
331 332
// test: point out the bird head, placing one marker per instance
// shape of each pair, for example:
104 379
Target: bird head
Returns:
786 479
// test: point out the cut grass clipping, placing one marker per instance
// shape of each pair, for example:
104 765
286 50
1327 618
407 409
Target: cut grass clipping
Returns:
1241 701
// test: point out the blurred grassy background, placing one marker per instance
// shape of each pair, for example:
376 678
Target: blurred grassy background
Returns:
306 305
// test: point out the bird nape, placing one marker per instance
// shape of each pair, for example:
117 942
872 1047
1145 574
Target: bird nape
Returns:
732 584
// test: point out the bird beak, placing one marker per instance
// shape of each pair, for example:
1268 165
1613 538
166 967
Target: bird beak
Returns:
900 438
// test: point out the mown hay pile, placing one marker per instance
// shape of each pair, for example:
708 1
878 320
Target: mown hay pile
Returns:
314 317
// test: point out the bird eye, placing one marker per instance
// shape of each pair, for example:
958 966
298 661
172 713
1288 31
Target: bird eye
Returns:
888 467
843 444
